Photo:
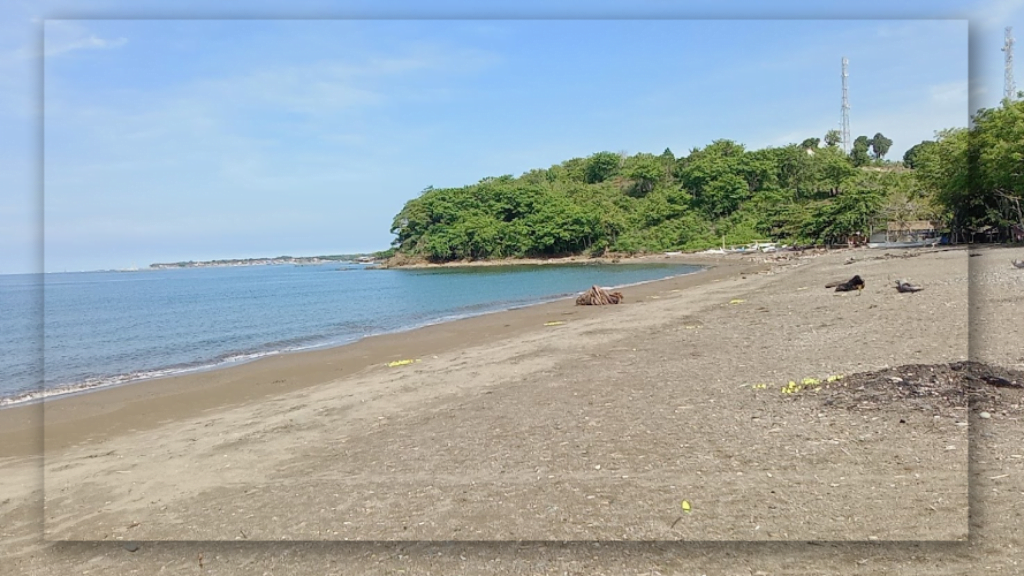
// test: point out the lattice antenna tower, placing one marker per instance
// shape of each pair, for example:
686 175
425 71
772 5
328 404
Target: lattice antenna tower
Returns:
1009 89
845 130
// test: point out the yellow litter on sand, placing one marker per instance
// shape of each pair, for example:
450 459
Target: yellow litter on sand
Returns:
736 301
554 323
804 288
401 362
806 383
686 506
691 326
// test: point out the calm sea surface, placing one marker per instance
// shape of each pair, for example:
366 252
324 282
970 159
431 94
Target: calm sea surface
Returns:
68 332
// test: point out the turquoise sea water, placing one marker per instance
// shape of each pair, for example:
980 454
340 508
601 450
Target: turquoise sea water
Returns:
68 332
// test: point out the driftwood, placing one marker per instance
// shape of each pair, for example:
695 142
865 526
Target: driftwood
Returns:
597 296
854 283
903 286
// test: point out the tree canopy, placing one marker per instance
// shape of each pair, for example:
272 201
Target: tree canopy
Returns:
880 145
977 174
910 157
723 192
859 152
810 143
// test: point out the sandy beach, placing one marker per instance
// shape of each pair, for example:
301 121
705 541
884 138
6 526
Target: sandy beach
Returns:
564 423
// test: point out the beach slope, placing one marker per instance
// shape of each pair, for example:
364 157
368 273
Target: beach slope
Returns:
581 423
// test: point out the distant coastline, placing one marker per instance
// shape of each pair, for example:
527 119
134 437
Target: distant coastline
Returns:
295 260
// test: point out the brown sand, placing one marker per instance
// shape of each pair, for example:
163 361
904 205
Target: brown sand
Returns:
593 429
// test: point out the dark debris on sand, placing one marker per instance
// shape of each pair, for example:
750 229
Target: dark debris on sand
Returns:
932 388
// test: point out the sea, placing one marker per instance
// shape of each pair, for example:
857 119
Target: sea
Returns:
72 332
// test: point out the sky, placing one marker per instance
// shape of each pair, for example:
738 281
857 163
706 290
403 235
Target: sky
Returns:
142 133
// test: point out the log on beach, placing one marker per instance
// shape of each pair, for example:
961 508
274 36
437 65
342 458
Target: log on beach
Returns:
854 283
597 296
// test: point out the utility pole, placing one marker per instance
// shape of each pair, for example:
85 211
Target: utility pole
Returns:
845 130
1009 89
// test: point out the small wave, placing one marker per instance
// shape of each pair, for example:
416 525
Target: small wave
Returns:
641 282
91 384
88 385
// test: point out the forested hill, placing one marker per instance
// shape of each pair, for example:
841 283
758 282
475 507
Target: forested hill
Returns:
805 193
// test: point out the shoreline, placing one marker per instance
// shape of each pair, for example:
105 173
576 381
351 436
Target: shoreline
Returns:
244 357
404 263
105 411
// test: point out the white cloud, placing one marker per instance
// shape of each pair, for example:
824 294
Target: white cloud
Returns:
63 36
92 42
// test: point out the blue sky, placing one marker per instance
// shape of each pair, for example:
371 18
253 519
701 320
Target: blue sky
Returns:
198 138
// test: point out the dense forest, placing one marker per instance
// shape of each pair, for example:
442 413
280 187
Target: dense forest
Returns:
811 193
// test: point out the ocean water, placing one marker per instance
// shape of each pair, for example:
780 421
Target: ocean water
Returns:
69 332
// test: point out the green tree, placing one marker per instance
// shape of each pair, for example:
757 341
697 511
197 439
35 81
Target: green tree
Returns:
714 178
977 175
944 170
910 157
832 168
833 138
880 145
810 143
796 169
601 166
668 162
645 170
859 152
855 210
574 170
998 163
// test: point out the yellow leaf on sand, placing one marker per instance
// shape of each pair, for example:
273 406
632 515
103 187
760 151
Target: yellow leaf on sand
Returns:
401 363
554 323
686 506
736 301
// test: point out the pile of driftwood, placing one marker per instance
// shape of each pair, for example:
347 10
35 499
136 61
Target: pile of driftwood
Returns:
597 296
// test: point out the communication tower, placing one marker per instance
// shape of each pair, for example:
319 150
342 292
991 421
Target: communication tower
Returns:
845 130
